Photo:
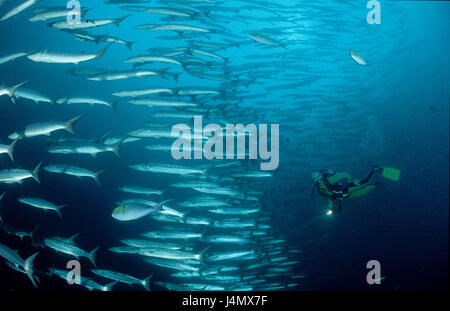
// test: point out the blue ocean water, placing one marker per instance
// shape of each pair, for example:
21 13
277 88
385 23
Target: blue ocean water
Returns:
332 113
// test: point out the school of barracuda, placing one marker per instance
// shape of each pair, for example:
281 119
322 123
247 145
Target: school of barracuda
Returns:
219 237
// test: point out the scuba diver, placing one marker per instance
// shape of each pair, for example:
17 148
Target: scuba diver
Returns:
339 186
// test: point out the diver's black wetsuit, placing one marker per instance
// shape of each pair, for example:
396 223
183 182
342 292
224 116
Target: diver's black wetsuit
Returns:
338 192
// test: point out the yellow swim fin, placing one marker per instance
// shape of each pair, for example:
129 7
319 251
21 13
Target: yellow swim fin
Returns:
391 173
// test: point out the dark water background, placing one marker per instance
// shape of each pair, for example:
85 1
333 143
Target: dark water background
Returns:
404 226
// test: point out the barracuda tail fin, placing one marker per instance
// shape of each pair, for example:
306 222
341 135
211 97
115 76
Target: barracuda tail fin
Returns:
35 172
200 270
84 10
203 236
129 45
163 73
58 210
202 254
92 255
186 213
29 267
114 105
97 176
71 123
100 54
117 21
12 91
161 195
54 101
10 149
146 282
116 147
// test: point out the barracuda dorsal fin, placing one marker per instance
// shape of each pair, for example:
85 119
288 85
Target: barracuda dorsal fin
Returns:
102 139
117 21
71 240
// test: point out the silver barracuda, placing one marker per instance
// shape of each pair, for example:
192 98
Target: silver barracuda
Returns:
91 148
357 58
64 25
255 174
171 254
139 243
73 171
12 230
228 255
121 75
233 239
65 58
166 169
173 27
154 10
86 282
171 264
88 100
162 133
52 13
220 191
17 175
140 60
121 277
161 103
33 95
234 210
233 224
42 204
261 38
46 128
13 257
67 246
143 92
11 57
141 190
18 9
173 235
